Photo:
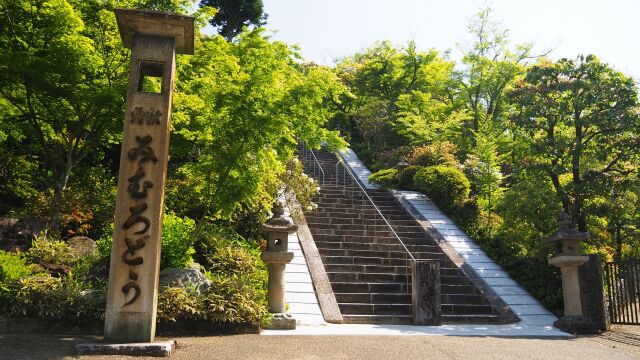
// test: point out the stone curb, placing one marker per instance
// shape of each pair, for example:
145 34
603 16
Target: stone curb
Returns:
95 327
155 349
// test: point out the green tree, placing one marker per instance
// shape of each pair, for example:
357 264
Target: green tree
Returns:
397 96
239 111
61 83
489 67
483 169
234 15
579 120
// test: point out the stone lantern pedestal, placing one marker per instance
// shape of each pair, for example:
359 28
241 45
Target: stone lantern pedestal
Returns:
277 230
568 259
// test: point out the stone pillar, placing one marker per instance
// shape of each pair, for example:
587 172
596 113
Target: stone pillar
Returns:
570 282
592 292
277 230
425 294
154 39
276 263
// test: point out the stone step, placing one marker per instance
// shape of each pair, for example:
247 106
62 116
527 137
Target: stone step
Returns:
374 233
398 254
380 226
467 309
371 239
472 319
374 309
450 301
375 246
373 298
358 260
444 271
378 319
368 277
469 299
345 220
354 214
352 287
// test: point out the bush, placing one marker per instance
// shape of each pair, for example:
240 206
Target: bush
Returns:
46 297
385 178
405 177
235 300
49 251
13 266
239 276
228 301
442 153
179 304
445 185
177 243
223 252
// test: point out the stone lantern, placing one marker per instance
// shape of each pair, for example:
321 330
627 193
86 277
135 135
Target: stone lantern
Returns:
568 259
277 230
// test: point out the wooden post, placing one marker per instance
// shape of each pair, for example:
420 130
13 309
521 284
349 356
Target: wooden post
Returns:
154 38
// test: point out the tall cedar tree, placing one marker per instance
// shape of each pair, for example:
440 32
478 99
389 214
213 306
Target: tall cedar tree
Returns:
233 15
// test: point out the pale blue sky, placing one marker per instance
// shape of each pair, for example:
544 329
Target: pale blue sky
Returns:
329 29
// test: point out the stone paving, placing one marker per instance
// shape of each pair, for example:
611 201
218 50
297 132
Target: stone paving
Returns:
299 293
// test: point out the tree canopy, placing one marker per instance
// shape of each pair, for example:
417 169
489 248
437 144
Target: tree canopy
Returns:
233 15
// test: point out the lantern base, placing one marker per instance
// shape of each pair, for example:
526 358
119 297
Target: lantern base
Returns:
282 321
577 325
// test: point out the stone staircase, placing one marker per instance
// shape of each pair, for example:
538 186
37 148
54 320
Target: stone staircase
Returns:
368 268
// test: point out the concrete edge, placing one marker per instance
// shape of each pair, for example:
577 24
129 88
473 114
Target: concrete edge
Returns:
155 349
322 286
485 289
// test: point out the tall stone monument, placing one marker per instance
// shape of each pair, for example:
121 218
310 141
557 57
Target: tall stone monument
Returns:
154 39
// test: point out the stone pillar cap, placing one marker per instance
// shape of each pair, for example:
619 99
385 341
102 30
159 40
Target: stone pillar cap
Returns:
156 23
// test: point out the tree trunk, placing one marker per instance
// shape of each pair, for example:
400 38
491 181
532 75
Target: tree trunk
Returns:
60 187
618 235
577 215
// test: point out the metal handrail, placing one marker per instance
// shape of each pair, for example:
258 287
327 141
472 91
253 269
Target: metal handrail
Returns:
319 166
357 181
315 159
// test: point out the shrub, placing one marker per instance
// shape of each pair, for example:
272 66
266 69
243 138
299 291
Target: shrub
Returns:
13 266
49 251
223 252
227 301
239 276
179 304
445 185
46 297
234 300
442 153
386 178
177 243
405 177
